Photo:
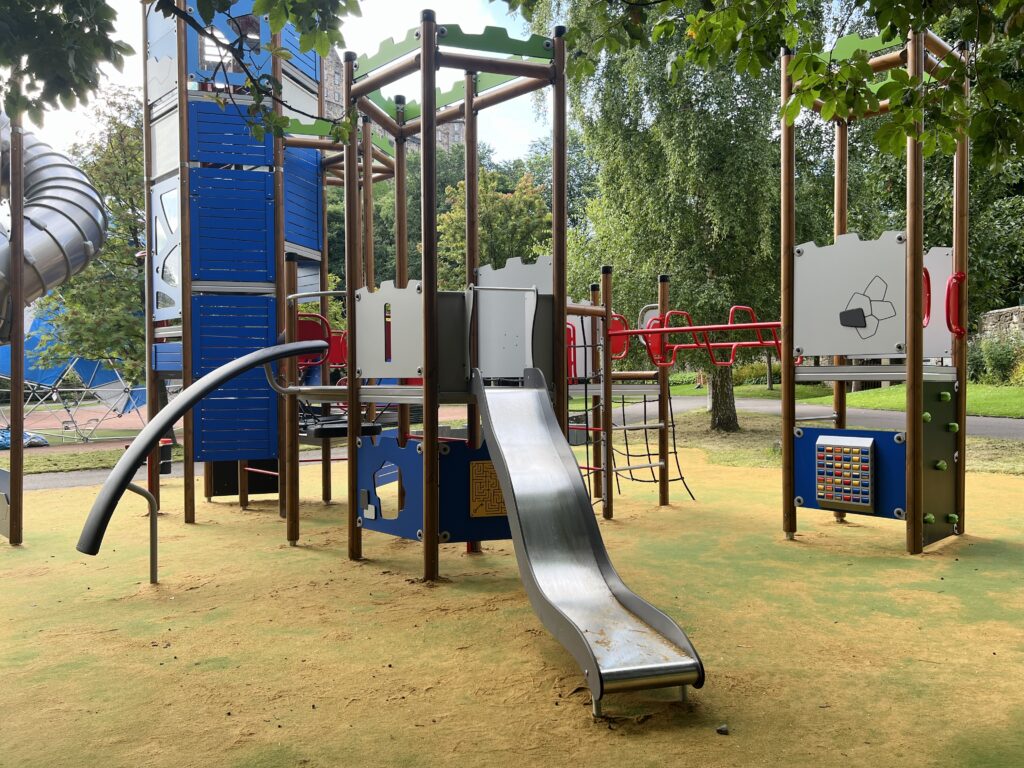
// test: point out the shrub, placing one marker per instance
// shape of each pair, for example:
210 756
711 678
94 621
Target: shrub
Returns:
975 360
1017 377
1001 354
755 373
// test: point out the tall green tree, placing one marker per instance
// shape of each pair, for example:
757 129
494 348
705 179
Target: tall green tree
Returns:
98 314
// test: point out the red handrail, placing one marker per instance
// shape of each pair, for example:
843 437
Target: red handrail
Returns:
926 289
953 304
306 320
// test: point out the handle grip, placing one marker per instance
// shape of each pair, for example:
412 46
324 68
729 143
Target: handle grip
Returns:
953 304
926 286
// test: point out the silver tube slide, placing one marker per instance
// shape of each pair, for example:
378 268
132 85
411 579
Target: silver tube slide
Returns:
65 224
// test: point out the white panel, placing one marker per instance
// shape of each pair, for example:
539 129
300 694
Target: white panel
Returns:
405 308
938 341
866 278
501 317
584 341
164 137
295 95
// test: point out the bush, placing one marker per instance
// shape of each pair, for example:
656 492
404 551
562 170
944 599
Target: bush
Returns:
755 373
682 377
1001 354
975 360
1017 377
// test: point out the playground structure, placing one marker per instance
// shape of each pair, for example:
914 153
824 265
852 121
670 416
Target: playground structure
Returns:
58 223
847 301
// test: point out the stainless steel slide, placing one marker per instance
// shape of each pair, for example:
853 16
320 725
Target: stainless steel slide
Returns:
620 641
65 223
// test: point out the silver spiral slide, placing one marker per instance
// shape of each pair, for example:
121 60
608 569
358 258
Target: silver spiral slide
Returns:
620 641
65 223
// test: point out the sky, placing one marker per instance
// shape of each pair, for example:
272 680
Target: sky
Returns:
509 127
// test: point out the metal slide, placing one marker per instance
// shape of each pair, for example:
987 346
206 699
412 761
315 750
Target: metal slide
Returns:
65 223
620 641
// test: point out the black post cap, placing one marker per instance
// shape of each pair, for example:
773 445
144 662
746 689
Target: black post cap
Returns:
428 15
606 269
595 287
399 100
351 56
560 31
662 278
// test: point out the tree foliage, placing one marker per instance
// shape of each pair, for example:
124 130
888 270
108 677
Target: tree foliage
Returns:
98 315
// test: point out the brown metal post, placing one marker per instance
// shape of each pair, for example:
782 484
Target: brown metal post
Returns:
428 196
188 462
472 234
559 215
961 214
325 270
369 273
352 270
243 484
915 314
401 251
663 395
787 256
840 215
152 381
598 350
608 490
16 512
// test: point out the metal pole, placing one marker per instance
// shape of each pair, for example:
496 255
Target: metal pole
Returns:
559 206
325 369
961 247
401 251
841 181
472 251
352 259
154 543
152 381
606 396
369 273
16 513
428 196
188 460
787 256
915 313
599 349
663 394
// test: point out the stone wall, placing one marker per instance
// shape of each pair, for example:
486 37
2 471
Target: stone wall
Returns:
1000 322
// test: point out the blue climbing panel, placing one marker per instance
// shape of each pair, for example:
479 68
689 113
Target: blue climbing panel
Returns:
307 63
239 420
222 135
232 225
167 357
303 201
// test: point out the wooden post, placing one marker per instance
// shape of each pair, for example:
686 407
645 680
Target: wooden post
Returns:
188 422
428 197
352 270
915 314
472 251
369 271
840 188
16 532
600 348
606 396
326 490
401 251
787 256
559 214
961 214
663 395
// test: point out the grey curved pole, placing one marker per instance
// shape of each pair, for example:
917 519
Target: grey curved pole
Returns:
123 472
65 224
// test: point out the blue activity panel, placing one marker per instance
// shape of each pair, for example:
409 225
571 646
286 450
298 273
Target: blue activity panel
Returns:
231 225
824 478
471 504
207 62
167 357
222 135
239 420
307 63
303 200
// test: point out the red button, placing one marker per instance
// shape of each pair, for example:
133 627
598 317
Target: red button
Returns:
846 482
846 498
828 495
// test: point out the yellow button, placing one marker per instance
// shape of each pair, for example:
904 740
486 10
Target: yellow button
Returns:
856 482
846 474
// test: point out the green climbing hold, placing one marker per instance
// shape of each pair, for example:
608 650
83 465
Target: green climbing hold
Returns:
952 427
945 397
927 417
952 518
929 518
941 465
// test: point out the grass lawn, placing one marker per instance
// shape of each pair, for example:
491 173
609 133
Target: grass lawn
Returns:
982 400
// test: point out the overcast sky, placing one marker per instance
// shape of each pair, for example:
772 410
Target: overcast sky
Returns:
509 127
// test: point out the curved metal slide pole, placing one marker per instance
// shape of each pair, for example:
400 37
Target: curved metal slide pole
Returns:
117 482
620 641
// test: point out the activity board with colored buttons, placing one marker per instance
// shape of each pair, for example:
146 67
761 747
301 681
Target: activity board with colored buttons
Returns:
844 473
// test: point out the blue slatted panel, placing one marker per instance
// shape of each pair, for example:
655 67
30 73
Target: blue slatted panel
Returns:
238 421
259 63
307 63
303 204
218 135
167 357
232 225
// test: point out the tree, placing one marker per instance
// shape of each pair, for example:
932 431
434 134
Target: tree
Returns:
515 223
747 35
98 315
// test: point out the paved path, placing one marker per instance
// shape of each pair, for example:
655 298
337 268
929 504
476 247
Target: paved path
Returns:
984 426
